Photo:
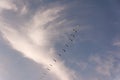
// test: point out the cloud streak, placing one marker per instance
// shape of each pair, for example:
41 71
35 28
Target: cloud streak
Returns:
35 40
106 65
6 4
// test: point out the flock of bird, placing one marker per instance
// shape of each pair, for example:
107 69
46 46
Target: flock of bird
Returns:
71 38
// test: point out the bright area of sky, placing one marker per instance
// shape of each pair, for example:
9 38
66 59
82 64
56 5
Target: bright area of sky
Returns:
59 40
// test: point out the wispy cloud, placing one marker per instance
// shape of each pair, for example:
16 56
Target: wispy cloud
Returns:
35 40
3 67
116 42
106 65
6 4
103 66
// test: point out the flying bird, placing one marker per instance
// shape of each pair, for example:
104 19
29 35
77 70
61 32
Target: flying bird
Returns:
75 30
70 39
59 54
48 69
66 45
54 60
73 35
50 64
64 50
44 73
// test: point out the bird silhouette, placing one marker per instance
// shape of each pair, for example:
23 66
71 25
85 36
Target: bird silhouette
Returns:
59 54
54 60
64 50
66 45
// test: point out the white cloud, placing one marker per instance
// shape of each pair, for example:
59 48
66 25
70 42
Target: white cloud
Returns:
23 10
116 43
104 65
35 40
6 4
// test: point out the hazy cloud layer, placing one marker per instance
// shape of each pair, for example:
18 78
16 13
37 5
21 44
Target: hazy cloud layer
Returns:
35 39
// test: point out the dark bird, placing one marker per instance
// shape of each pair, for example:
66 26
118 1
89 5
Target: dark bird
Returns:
59 54
75 30
54 60
44 73
66 45
64 50
73 35
50 64
48 69
70 39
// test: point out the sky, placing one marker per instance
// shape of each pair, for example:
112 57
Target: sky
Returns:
59 40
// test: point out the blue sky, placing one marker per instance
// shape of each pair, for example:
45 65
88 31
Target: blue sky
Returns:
34 35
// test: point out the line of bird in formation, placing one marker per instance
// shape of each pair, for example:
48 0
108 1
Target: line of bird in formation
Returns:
72 37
